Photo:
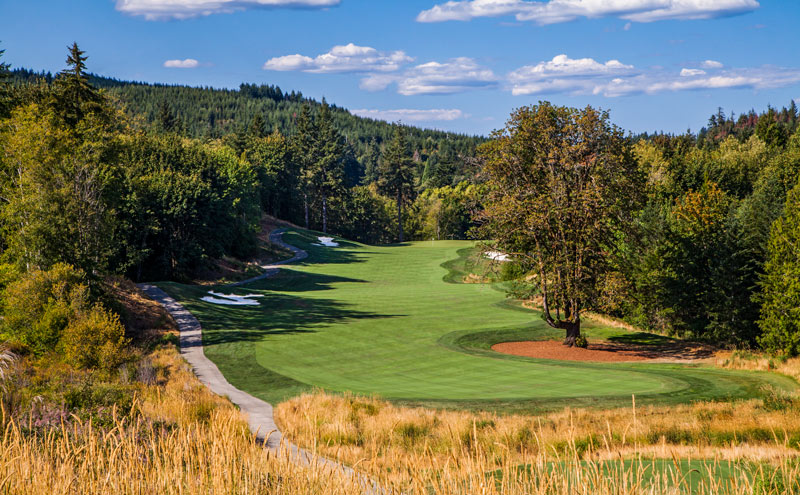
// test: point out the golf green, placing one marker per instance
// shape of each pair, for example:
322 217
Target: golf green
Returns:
386 321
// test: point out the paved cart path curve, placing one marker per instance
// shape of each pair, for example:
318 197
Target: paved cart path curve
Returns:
259 413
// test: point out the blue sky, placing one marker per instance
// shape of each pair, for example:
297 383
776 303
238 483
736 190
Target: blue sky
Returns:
460 65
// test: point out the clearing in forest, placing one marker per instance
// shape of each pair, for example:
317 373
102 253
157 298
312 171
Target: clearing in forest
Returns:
394 321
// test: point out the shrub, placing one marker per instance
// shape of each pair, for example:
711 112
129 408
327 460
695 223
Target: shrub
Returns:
39 305
512 270
94 339
581 342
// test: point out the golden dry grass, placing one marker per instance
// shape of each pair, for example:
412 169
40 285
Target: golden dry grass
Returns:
396 444
183 440
754 361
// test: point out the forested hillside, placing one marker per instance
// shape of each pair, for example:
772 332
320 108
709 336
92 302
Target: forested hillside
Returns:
211 113
694 235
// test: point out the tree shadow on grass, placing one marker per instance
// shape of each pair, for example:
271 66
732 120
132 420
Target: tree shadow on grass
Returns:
288 280
652 346
279 314
346 252
280 310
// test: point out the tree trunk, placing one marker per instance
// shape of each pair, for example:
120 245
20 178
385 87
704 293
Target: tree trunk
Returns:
573 331
399 217
325 214
305 206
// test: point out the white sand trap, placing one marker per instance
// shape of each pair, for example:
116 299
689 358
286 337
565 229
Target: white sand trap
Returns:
327 242
231 300
497 256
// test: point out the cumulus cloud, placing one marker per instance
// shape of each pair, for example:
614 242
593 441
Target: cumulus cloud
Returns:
188 63
562 65
454 76
692 72
711 64
562 74
411 115
766 77
185 9
613 78
384 69
555 11
342 59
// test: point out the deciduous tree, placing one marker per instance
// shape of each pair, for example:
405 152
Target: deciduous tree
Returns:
562 186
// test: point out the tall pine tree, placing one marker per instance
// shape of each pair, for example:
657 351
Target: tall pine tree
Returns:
74 95
397 174
780 311
328 170
167 120
304 151
5 96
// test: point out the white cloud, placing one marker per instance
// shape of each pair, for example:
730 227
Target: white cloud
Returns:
188 63
613 78
454 76
766 77
562 65
412 115
692 72
563 74
341 59
712 64
384 69
185 9
555 11
627 26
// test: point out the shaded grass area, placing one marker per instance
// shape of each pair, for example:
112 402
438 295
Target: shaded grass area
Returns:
381 320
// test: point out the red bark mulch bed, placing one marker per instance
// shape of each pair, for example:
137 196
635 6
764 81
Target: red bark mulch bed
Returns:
605 351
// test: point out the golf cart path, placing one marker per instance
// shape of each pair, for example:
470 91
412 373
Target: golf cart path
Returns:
259 413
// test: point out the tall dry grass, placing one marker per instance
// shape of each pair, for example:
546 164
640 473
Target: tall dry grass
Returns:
180 439
745 360
396 444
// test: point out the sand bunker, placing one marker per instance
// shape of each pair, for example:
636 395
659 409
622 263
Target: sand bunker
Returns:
231 299
327 242
497 256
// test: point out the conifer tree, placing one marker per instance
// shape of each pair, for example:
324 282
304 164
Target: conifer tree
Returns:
167 120
327 174
397 174
4 91
74 92
780 311
257 127
304 150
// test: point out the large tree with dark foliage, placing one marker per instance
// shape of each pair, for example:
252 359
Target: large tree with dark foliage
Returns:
5 95
75 96
396 177
780 313
327 171
562 186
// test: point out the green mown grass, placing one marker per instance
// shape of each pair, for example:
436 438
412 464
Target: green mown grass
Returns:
390 321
